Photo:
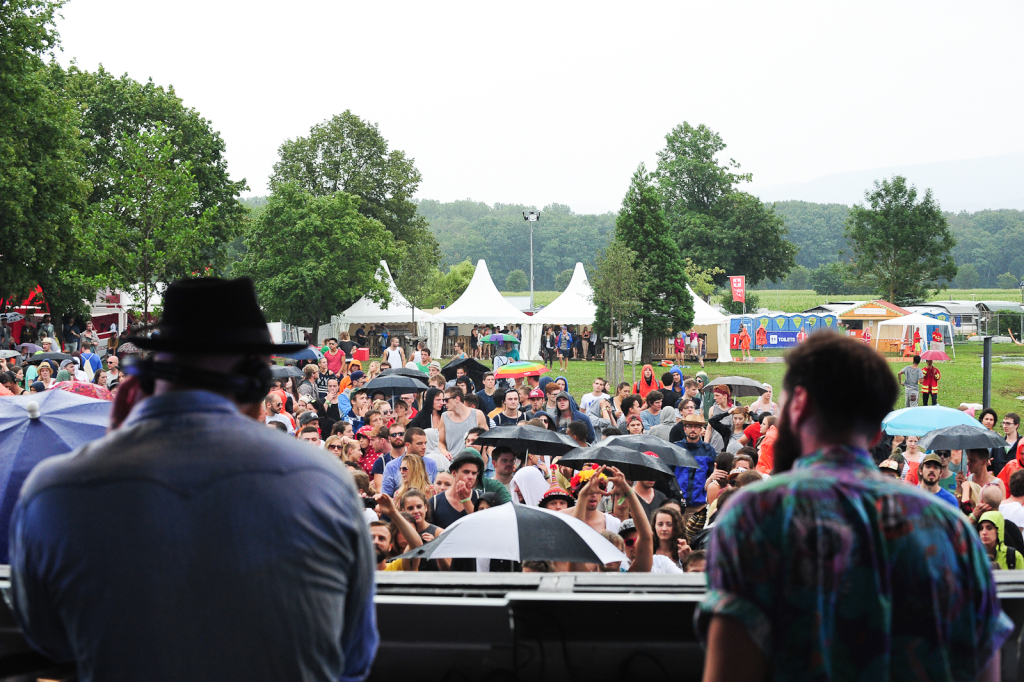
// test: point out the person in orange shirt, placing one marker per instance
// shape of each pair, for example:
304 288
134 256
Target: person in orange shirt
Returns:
761 337
744 343
766 451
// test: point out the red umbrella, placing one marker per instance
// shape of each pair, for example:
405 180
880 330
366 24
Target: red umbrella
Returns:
934 356
83 388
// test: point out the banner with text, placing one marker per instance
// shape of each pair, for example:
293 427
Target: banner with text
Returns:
738 284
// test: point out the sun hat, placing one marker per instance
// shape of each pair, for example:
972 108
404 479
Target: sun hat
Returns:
556 493
694 418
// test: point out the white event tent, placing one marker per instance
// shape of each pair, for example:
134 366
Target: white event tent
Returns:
903 328
482 303
398 311
573 306
707 320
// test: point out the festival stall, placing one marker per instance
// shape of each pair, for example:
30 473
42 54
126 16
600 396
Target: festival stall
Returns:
398 311
897 335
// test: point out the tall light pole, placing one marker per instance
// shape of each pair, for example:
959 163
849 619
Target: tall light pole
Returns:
531 217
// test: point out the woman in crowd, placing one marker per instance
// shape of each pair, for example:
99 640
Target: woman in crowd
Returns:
430 416
723 402
730 426
460 352
99 377
46 375
414 476
373 371
335 445
585 340
668 530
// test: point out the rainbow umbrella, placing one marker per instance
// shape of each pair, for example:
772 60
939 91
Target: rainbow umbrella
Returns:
84 388
515 370
499 338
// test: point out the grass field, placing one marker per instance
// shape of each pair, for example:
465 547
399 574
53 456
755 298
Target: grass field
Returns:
961 379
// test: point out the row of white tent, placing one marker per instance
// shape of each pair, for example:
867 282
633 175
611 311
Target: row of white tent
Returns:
482 303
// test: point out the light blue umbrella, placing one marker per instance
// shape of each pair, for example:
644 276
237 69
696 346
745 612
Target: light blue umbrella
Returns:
917 421
36 426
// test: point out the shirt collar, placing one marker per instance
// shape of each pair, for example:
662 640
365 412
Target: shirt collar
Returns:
841 455
178 403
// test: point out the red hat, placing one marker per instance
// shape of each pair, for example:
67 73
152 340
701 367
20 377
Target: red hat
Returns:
365 431
536 393
556 493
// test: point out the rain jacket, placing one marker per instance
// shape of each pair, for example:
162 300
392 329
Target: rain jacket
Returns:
691 481
1002 550
643 387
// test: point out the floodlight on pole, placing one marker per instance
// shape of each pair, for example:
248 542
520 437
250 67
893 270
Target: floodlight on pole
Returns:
531 217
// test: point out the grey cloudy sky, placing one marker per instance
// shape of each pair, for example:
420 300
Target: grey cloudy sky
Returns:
540 102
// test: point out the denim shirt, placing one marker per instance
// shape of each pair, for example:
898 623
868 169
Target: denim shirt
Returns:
194 543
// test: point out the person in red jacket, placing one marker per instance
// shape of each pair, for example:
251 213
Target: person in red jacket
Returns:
647 383
930 383
761 337
745 343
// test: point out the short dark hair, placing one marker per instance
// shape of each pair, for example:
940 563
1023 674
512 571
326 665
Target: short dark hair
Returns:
980 452
477 430
577 430
279 426
744 456
1017 483
724 462
413 431
308 428
654 396
666 378
454 392
610 431
629 401
382 432
917 359
988 410
748 477
1014 416
695 556
471 399
540 566
501 450
370 414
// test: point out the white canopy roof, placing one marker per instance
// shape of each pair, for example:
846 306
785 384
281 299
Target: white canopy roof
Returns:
915 320
481 303
366 311
574 305
704 314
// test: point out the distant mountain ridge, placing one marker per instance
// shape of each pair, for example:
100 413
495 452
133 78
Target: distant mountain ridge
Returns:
991 182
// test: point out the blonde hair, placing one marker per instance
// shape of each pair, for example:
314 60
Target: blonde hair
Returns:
331 441
417 476
380 403
347 445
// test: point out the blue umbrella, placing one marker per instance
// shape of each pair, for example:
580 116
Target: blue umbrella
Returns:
36 426
917 421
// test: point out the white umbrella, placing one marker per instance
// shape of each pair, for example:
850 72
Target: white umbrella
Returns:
520 533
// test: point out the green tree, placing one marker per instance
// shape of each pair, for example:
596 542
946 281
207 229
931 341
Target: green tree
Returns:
416 277
799 278
144 230
116 110
830 279
752 303
1007 281
702 280
516 281
447 288
901 246
350 155
967 277
311 257
715 224
617 285
42 193
665 303
563 278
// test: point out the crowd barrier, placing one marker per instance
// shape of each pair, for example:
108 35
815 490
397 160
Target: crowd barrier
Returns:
529 627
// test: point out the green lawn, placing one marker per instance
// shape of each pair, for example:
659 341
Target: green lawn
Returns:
961 379
539 297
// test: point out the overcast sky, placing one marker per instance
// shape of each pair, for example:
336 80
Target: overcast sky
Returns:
540 102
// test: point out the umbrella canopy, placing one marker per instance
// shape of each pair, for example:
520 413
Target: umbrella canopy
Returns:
310 353
5 354
285 371
961 437
34 427
36 359
473 368
394 384
523 438
520 533
917 421
740 386
935 356
411 373
29 347
84 388
515 370
499 338
129 349
636 466
670 454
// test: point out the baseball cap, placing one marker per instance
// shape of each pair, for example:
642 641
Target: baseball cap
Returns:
628 526
307 417
932 457
536 393
356 375
564 394
889 465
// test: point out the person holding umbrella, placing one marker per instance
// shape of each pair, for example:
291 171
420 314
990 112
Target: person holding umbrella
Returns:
930 382
195 452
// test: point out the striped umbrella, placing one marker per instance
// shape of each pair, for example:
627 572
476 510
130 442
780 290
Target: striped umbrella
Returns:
514 370
499 338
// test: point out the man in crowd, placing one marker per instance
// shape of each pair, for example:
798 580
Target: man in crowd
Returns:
650 499
486 394
1012 507
276 413
458 500
309 434
588 497
930 473
240 524
911 376
91 363
691 390
631 405
669 395
423 364
394 354
691 481
415 446
536 403
598 393
651 417
504 466
817 531
395 448
113 370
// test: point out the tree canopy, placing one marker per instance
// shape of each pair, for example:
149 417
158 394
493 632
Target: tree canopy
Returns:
901 246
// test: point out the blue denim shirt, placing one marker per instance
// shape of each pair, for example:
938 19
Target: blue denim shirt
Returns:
392 480
195 544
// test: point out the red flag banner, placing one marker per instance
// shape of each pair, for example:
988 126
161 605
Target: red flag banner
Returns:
739 286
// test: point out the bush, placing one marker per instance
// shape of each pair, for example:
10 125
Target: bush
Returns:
562 280
517 281
967 277
1007 281
736 307
798 278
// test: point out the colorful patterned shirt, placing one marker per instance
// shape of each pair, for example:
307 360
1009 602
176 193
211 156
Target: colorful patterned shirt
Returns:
839 573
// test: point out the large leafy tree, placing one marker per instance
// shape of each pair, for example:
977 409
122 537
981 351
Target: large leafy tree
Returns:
347 154
116 110
144 231
665 304
313 256
715 224
902 246
42 192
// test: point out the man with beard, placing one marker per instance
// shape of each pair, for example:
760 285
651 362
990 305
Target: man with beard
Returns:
930 473
833 524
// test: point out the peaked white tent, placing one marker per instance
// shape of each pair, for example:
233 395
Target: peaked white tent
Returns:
574 305
398 311
481 303
707 320
903 328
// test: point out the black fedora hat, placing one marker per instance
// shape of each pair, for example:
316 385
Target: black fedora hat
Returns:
209 315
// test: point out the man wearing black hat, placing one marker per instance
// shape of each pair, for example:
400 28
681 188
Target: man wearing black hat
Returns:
193 543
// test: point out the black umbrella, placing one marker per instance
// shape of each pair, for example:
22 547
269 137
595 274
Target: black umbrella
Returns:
394 384
670 454
961 437
411 373
285 371
473 368
740 386
523 437
634 465
36 359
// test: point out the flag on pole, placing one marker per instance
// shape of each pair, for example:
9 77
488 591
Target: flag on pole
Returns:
738 284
